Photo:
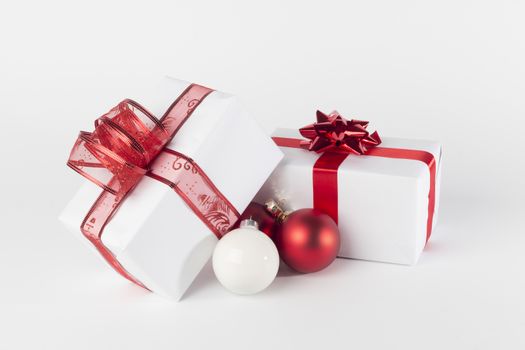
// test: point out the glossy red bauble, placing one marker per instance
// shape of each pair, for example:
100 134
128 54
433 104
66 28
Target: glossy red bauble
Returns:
255 211
308 240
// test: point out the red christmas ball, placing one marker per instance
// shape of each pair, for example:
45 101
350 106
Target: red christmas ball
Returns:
308 240
258 212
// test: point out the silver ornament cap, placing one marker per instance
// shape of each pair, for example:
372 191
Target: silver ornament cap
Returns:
249 223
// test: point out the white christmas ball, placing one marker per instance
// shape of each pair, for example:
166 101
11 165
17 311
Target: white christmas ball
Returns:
245 260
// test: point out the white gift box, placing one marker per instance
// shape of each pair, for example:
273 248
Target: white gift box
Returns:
154 235
382 202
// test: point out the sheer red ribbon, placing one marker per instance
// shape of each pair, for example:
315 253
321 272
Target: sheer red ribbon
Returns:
325 190
129 143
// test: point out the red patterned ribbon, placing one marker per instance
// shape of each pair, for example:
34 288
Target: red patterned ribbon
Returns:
325 191
128 143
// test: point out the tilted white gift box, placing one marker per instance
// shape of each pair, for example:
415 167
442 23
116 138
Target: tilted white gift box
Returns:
382 202
154 235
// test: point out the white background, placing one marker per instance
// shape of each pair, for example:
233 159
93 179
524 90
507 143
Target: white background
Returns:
447 70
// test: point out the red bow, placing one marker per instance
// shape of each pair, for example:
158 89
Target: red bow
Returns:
333 132
123 144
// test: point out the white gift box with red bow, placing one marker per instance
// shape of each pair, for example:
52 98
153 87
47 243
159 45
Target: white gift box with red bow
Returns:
154 234
382 204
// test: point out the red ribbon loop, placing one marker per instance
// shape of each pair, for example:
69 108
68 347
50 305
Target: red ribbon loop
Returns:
118 152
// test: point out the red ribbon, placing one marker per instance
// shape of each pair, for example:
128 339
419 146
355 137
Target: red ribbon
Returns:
325 190
128 143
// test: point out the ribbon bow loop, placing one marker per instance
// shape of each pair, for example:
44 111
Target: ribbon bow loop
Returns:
333 132
118 152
